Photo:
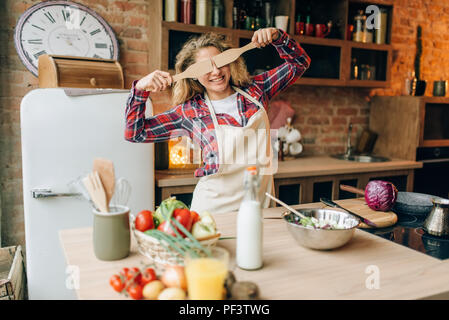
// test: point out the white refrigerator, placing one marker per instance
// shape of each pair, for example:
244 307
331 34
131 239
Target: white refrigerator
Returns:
62 131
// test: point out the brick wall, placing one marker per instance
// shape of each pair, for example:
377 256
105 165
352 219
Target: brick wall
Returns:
322 113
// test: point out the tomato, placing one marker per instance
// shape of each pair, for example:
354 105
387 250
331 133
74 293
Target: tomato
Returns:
135 274
184 217
148 275
195 217
116 283
135 291
144 221
124 274
165 227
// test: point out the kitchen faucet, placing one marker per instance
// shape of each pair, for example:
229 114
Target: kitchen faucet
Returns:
348 152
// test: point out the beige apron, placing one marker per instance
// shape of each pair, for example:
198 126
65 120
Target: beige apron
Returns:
223 191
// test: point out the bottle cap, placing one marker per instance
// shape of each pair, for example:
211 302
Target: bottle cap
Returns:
252 170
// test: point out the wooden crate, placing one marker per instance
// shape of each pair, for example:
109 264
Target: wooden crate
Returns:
78 72
12 274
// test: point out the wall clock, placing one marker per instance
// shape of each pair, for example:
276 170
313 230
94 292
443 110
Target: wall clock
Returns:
63 28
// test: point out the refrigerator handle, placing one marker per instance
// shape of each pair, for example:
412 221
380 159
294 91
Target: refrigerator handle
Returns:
46 193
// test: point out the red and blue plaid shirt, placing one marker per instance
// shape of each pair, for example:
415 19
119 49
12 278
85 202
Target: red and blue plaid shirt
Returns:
192 118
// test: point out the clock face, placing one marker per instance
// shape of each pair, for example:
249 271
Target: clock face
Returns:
63 28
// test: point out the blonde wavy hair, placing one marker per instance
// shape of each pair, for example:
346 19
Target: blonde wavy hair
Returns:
186 89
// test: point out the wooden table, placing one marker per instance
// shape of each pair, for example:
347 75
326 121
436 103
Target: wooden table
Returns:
291 271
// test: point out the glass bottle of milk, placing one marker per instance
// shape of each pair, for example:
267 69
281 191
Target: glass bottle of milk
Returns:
249 224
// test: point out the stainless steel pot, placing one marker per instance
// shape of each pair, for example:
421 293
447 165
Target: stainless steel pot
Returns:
437 222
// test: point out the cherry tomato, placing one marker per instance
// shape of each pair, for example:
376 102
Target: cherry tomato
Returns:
116 283
165 227
144 221
135 291
124 273
195 217
184 217
148 275
135 274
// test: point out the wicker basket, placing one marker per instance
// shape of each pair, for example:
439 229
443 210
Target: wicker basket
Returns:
152 248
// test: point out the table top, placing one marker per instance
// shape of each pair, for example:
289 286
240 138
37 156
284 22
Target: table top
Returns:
291 271
307 166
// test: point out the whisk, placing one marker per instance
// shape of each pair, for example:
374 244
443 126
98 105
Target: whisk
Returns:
122 192
77 186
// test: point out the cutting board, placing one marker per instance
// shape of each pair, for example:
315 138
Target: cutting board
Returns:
380 218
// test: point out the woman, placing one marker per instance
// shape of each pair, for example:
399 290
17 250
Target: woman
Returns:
216 111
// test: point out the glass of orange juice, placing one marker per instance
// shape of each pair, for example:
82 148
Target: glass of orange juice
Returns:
206 274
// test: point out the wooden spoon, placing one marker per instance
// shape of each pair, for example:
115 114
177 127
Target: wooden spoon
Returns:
231 55
195 70
286 206
105 169
95 188
202 67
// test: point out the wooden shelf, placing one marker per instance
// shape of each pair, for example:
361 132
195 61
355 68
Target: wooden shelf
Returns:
367 83
321 82
370 46
345 47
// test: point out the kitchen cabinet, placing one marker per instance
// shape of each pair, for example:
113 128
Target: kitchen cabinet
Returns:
306 179
422 136
332 57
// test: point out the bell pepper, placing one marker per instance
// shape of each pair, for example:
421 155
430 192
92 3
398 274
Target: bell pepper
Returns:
165 210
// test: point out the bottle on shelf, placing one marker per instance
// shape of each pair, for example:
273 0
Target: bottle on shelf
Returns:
359 33
218 13
186 11
171 10
381 32
268 14
354 69
259 21
203 12
236 15
309 28
299 25
249 247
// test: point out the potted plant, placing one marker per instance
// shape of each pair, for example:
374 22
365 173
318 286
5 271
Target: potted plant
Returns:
418 85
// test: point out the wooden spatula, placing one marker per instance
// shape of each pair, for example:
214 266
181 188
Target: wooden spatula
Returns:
105 169
195 70
231 55
96 191
198 69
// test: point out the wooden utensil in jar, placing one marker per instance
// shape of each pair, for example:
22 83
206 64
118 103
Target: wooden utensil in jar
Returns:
105 169
96 191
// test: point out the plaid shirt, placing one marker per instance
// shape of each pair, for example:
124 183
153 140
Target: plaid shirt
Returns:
192 118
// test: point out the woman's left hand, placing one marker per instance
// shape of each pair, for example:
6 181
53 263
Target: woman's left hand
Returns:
263 37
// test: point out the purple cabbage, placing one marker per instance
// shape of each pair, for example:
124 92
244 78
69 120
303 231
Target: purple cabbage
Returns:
380 195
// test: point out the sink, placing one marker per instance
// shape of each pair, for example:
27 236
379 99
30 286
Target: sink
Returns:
359 158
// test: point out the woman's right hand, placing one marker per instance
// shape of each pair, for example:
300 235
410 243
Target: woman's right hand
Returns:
154 82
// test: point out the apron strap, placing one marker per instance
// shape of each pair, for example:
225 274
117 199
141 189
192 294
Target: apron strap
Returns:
243 93
248 96
211 110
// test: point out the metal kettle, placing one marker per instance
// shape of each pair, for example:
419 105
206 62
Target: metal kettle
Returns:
437 222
